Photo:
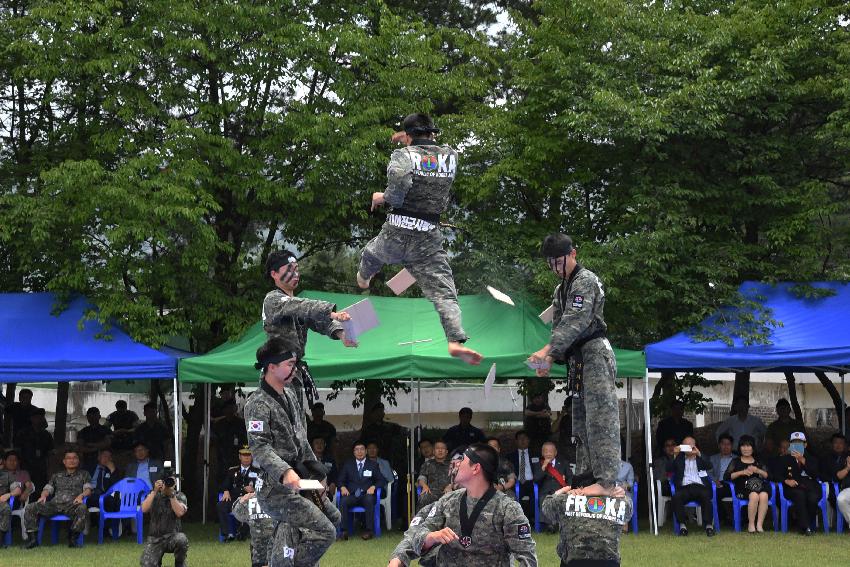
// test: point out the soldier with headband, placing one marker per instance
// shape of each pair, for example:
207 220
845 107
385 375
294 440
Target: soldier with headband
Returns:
578 339
419 183
475 526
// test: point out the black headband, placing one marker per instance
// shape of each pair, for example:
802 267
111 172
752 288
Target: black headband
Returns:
274 359
474 457
423 130
283 261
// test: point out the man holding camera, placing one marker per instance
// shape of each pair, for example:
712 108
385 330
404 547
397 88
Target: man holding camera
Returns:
166 506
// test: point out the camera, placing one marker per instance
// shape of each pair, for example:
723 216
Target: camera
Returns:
169 478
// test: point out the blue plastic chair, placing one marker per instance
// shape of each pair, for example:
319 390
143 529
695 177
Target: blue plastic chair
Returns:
54 529
349 521
536 504
132 491
8 538
231 521
822 504
839 518
738 503
634 507
696 505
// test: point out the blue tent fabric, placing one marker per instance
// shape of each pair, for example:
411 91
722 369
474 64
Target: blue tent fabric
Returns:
36 346
815 335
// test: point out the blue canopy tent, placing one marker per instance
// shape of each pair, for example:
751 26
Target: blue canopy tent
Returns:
38 346
813 335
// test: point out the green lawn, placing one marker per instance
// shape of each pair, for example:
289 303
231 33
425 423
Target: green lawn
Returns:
727 548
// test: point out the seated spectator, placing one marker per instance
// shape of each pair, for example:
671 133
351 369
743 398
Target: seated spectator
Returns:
92 438
692 480
798 472
165 534
741 423
123 422
434 476
749 475
537 421
523 460
105 474
505 475
661 465
837 465
383 464
318 427
152 433
21 411
9 487
842 477
774 463
550 474
358 481
230 435
36 446
464 433
674 426
719 463
144 466
626 476
426 451
782 428
17 474
239 481
69 490
322 455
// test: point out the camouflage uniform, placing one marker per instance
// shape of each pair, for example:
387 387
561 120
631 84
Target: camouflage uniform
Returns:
404 550
165 535
578 304
277 436
504 474
290 318
501 532
419 183
262 528
7 485
64 487
436 476
292 536
595 537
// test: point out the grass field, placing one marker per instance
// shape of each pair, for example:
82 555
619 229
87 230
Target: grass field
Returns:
727 548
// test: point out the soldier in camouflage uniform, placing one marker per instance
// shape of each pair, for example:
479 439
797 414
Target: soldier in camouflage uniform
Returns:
434 476
590 527
475 526
419 183
70 489
277 436
9 487
166 506
505 475
578 337
289 317
247 510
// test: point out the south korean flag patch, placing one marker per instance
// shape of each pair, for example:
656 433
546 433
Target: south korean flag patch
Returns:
415 522
255 426
523 531
578 301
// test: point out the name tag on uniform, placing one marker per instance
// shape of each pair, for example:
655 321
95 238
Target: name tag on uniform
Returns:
153 469
235 441
38 452
703 474
367 473
535 460
252 475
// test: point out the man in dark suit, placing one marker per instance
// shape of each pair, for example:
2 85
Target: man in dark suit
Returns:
238 480
692 481
523 461
144 467
358 481
551 473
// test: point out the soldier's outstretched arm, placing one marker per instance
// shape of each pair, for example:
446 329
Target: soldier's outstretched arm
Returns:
313 311
399 178
260 440
552 508
517 533
576 318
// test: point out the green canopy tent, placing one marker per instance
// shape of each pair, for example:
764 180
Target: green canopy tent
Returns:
409 343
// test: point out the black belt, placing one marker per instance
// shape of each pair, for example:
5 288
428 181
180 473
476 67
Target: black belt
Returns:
433 218
576 346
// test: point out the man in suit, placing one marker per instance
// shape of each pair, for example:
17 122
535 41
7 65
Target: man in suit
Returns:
144 467
523 461
551 473
692 480
103 476
358 481
238 480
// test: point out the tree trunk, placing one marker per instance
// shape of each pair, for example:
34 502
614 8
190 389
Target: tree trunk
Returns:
833 393
61 412
193 475
664 391
371 396
742 388
792 396
7 417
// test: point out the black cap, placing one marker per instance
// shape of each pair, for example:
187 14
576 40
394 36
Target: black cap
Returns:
556 245
419 124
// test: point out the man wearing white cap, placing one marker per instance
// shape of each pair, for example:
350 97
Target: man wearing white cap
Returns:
798 472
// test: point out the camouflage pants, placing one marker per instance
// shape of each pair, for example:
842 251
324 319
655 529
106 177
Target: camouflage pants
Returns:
77 512
596 414
5 517
315 532
262 532
422 254
157 546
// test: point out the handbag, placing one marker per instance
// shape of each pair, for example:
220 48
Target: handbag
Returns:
753 484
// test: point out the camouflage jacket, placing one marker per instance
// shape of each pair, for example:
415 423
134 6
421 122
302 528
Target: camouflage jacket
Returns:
65 487
420 178
163 519
292 317
435 475
578 304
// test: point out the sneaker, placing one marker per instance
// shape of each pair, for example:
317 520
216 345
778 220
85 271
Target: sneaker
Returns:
229 538
709 531
683 531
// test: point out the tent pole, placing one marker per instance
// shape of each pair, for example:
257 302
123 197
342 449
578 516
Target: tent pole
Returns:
628 453
207 401
843 417
650 484
178 423
411 490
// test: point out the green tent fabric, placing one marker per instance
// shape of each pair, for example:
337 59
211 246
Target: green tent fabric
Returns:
503 334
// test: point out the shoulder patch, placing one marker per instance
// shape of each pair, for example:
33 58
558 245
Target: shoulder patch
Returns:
433 512
416 521
578 301
523 531
255 426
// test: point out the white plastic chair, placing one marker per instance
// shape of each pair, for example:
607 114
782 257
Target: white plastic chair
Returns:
662 502
386 502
